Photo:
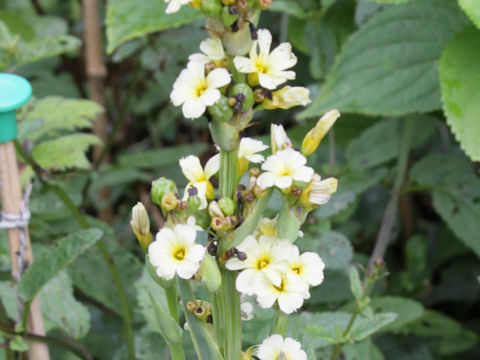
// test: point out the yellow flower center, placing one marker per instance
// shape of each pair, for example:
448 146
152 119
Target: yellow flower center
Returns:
281 356
261 263
179 254
281 287
261 66
201 88
297 270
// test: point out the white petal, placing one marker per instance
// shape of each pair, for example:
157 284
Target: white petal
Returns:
186 269
282 57
180 95
304 173
201 58
244 65
191 168
266 180
249 146
290 302
264 41
255 158
213 48
218 78
210 96
193 108
272 275
166 272
283 182
195 253
185 234
313 267
245 281
212 166
270 82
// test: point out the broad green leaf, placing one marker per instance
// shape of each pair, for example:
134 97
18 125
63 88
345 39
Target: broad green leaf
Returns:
355 284
154 159
335 288
290 7
59 114
333 247
56 258
472 8
408 310
460 81
127 20
365 327
384 136
61 310
65 152
171 332
389 66
391 1
321 333
364 350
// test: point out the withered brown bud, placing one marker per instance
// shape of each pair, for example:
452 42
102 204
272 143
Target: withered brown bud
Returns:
297 191
242 5
232 221
182 205
259 192
249 197
230 253
264 4
233 10
254 172
218 223
259 95
191 306
212 248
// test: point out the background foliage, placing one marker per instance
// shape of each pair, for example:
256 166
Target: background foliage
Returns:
382 63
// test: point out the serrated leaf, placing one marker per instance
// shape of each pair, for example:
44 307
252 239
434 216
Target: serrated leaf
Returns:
389 65
460 82
384 135
472 8
321 333
56 258
61 310
127 20
356 284
59 114
365 327
408 310
65 152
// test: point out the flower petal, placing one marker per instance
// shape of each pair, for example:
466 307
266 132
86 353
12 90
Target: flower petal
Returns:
210 96
244 64
191 168
212 166
195 253
193 108
264 41
218 78
186 269
266 180
213 48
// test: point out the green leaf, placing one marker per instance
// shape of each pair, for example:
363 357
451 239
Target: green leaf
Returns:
61 310
364 350
290 7
169 328
58 114
154 159
408 310
57 257
389 66
127 20
65 152
321 333
384 135
365 327
356 284
460 80
472 8
333 247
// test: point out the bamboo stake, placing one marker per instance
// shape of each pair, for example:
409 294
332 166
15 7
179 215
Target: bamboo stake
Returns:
96 74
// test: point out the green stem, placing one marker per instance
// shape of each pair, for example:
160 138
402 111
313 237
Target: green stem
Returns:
176 351
280 323
102 248
228 173
172 301
218 307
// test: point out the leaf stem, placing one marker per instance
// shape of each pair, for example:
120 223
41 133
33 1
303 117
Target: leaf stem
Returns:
102 248
280 323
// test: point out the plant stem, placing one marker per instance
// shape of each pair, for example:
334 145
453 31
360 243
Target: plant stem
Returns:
176 351
280 323
338 347
107 257
392 207
172 301
231 313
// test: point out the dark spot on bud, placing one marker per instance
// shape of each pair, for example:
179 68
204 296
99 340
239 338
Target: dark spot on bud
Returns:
238 106
199 310
241 187
192 191
241 255
233 10
253 31
230 253
210 319
268 94
240 98
234 26
212 248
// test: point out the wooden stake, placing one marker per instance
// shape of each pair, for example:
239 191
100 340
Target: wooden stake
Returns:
11 195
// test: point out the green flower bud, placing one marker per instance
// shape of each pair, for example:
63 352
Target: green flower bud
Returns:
244 94
169 202
141 225
202 219
211 277
160 187
227 17
211 8
221 111
194 203
227 206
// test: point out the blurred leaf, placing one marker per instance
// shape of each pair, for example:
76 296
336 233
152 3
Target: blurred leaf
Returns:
58 114
472 8
389 65
57 257
460 78
16 25
128 20
61 310
408 310
334 248
355 284
28 128
290 7
154 159
65 152
364 350
169 328
334 288
384 135
365 327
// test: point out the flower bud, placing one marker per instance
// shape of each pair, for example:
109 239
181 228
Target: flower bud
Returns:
219 224
279 138
243 91
314 136
259 192
169 202
287 98
196 4
254 172
215 211
194 203
182 205
191 306
264 4
211 8
211 277
228 17
318 192
221 110
242 5
227 206
202 218
160 187
141 225
228 2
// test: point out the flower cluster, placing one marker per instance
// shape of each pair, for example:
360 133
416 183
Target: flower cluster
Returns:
274 271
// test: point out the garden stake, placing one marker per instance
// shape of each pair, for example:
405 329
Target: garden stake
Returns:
14 92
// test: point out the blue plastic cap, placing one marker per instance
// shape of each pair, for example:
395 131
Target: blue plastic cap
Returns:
14 92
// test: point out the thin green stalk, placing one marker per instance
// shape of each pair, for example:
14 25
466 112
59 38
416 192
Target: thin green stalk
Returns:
176 351
218 306
107 257
392 207
338 347
172 301
280 323
228 173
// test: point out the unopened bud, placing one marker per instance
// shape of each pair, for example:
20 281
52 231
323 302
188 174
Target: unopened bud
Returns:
242 5
296 192
182 205
191 306
264 4
141 225
209 67
202 218
160 187
194 203
259 192
251 183
249 197
169 202
227 206
312 139
218 224
211 277
215 211
221 110
254 172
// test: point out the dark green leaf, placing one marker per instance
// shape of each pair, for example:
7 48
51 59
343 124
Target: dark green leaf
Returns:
365 327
